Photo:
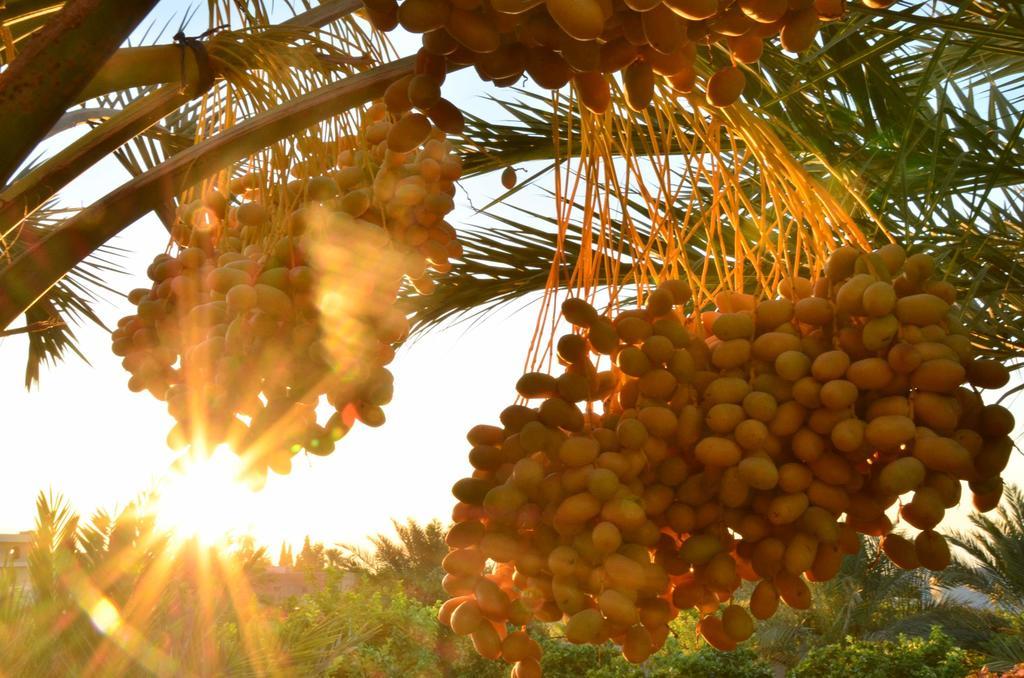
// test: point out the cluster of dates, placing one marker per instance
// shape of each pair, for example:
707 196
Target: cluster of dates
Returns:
756 443
275 300
587 42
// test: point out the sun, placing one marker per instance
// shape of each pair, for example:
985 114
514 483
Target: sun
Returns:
206 499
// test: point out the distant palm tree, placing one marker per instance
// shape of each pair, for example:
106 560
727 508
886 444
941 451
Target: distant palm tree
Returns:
254 560
37 634
995 546
995 568
414 558
119 592
872 599
53 545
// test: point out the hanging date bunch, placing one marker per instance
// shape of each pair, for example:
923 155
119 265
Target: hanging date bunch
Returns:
278 298
752 443
587 42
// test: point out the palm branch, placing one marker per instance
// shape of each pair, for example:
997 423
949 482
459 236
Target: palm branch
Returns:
872 599
884 108
412 558
298 56
994 565
49 323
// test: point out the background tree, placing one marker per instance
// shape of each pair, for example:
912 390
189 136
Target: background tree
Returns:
934 656
994 550
285 558
918 110
311 556
992 564
873 600
413 559
120 593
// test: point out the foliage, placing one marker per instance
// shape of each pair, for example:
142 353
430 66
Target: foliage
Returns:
399 634
258 67
203 613
994 568
873 600
917 109
70 302
1005 650
562 659
995 547
934 657
901 105
874 620
414 559
119 591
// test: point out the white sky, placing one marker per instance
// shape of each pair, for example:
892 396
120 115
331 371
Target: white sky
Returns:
82 433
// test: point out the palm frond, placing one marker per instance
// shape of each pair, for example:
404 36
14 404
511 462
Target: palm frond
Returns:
1004 652
263 66
21 19
887 107
54 544
69 302
996 550
872 599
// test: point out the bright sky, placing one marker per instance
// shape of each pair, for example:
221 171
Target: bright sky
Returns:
84 434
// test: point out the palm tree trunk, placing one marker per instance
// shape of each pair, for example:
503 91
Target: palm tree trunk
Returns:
29 191
54 67
129 67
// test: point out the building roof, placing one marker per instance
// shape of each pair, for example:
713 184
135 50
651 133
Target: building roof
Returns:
16 537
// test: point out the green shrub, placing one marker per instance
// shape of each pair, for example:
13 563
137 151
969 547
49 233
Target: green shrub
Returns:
375 630
564 660
388 633
932 657
708 662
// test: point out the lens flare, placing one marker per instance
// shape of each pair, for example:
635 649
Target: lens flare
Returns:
207 499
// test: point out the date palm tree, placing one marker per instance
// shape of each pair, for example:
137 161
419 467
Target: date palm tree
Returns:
914 112
920 115
871 599
992 563
413 558
897 105
989 563
119 592
144 105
